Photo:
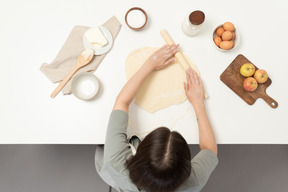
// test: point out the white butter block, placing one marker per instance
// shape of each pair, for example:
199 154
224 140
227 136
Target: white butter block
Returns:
96 38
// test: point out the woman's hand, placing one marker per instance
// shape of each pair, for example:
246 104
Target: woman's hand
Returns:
158 60
195 93
194 89
162 57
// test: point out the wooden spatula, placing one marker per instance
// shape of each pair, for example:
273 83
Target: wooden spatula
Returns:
84 58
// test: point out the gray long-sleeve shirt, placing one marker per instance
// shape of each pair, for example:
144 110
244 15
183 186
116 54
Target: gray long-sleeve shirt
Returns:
110 163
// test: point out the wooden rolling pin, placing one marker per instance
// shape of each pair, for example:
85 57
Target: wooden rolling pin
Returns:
179 56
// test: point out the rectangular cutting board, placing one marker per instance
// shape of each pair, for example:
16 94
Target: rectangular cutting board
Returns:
234 80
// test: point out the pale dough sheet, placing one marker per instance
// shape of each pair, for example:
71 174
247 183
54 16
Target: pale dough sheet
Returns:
162 88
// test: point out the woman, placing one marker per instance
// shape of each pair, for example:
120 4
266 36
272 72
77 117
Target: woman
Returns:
162 162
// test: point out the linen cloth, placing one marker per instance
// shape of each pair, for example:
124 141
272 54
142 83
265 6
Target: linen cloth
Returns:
67 57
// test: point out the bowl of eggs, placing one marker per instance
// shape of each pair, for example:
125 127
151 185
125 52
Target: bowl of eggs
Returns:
226 37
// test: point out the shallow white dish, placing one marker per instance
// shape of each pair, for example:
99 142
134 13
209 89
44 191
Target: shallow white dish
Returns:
236 40
85 86
104 49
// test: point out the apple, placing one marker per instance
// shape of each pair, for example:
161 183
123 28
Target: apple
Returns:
247 69
261 76
250 84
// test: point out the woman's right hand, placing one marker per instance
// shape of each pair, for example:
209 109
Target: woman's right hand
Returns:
162 57
194 89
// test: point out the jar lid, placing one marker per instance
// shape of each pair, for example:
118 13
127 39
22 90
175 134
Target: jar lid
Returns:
197 17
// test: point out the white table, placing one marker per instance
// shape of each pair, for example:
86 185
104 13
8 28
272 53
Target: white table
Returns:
32 32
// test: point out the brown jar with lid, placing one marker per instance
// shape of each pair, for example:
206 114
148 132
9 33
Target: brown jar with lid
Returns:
193 23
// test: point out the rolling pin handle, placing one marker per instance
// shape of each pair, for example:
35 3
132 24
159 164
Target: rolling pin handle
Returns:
179 56
166 37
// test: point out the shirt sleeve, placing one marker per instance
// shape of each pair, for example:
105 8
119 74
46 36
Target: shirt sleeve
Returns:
116 148
203 164
116 151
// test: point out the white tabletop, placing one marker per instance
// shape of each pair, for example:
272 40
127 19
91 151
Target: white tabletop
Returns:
32 32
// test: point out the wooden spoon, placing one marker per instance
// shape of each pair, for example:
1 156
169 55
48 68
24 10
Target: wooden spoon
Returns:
84 58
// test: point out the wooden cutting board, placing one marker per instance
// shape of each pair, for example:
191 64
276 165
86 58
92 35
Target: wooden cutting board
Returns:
234 80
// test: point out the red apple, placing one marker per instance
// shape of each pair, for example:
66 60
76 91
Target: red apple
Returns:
261 76
250 84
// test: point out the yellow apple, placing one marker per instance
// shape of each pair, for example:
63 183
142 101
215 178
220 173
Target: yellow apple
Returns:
261 76
247 69
250 84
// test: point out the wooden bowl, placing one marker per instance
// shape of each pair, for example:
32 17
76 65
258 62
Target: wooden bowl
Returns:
133 27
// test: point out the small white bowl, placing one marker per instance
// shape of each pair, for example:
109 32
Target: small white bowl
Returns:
85 86
236 40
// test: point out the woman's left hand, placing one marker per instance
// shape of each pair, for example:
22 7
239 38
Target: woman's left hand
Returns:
163 56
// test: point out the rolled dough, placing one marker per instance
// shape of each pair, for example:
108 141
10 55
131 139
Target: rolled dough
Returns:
162 88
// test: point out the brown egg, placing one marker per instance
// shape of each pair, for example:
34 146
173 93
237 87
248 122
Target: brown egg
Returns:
226 45
228 26
220 31
233 35
217 40
227 36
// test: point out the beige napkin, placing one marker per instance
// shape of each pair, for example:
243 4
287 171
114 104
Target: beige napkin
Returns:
68 55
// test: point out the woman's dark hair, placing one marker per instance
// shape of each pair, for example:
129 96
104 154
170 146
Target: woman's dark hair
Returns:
162 162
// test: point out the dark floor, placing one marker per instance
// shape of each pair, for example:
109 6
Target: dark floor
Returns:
70 168
250 168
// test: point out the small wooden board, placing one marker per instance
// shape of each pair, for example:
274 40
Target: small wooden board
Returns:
234 80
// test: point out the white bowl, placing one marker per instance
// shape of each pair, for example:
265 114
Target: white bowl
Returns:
236 40
85 86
